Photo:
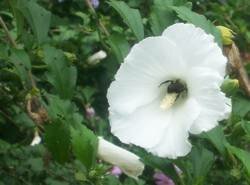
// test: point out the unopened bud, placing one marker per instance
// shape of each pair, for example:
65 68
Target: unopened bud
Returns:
226 34
229 86
97 57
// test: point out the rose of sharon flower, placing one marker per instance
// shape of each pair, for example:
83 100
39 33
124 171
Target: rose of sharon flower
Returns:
168 87
128 162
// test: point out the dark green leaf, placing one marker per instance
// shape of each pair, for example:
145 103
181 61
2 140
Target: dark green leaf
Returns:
57 139
119 46
60 74
162 15
202 160
131 17
198 20
242 155
37 17
217 138
21 61
84 145
240 105
246 126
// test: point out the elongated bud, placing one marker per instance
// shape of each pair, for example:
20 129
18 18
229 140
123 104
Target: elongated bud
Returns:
36 140
97 57
129 163
227 35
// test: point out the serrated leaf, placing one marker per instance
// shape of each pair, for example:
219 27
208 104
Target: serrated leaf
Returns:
246 126
57 139
162 15
60 74
163 164
119 46
198 20
84 145
217 138
37 17
242 155
131 17
240 105
202 160
21 61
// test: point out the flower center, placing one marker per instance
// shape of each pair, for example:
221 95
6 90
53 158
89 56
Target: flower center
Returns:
176 89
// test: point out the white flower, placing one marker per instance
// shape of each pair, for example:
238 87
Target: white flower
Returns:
168 87
97 57
127 161
36 140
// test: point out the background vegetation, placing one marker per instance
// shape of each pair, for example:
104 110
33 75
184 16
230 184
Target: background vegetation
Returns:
49 84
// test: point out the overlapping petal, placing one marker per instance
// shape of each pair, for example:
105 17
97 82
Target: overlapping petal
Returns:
183 52
197 47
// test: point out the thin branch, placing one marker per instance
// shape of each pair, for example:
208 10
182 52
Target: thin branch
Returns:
236 64
100 24
11 40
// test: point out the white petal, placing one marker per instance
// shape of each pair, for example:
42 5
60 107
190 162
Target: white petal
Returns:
198 47
144 127
204 85
149 63
127 161
175 139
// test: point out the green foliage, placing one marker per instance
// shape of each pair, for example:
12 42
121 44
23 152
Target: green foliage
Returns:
37 17
84 144
50 63
199 20
131 17
57 139
60 74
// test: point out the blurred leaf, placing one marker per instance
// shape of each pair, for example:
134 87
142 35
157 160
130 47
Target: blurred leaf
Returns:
37 17
198 20
18 16
57 139
119 46
84 145
163 164
246 126
36 164
111 180
22 64
242 155
131 17
202 160
217 138
60 74
240 105
162 15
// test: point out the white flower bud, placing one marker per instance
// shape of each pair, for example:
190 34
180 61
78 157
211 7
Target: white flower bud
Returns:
129 163
95 58
36 140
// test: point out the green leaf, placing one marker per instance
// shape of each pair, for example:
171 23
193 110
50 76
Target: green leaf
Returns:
37 17
198 20
217 138
18 16
57 139
84 145
60 74
202 160
21 61
131 17
242 155
246 126
240 105
162 15
163 164
119 46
